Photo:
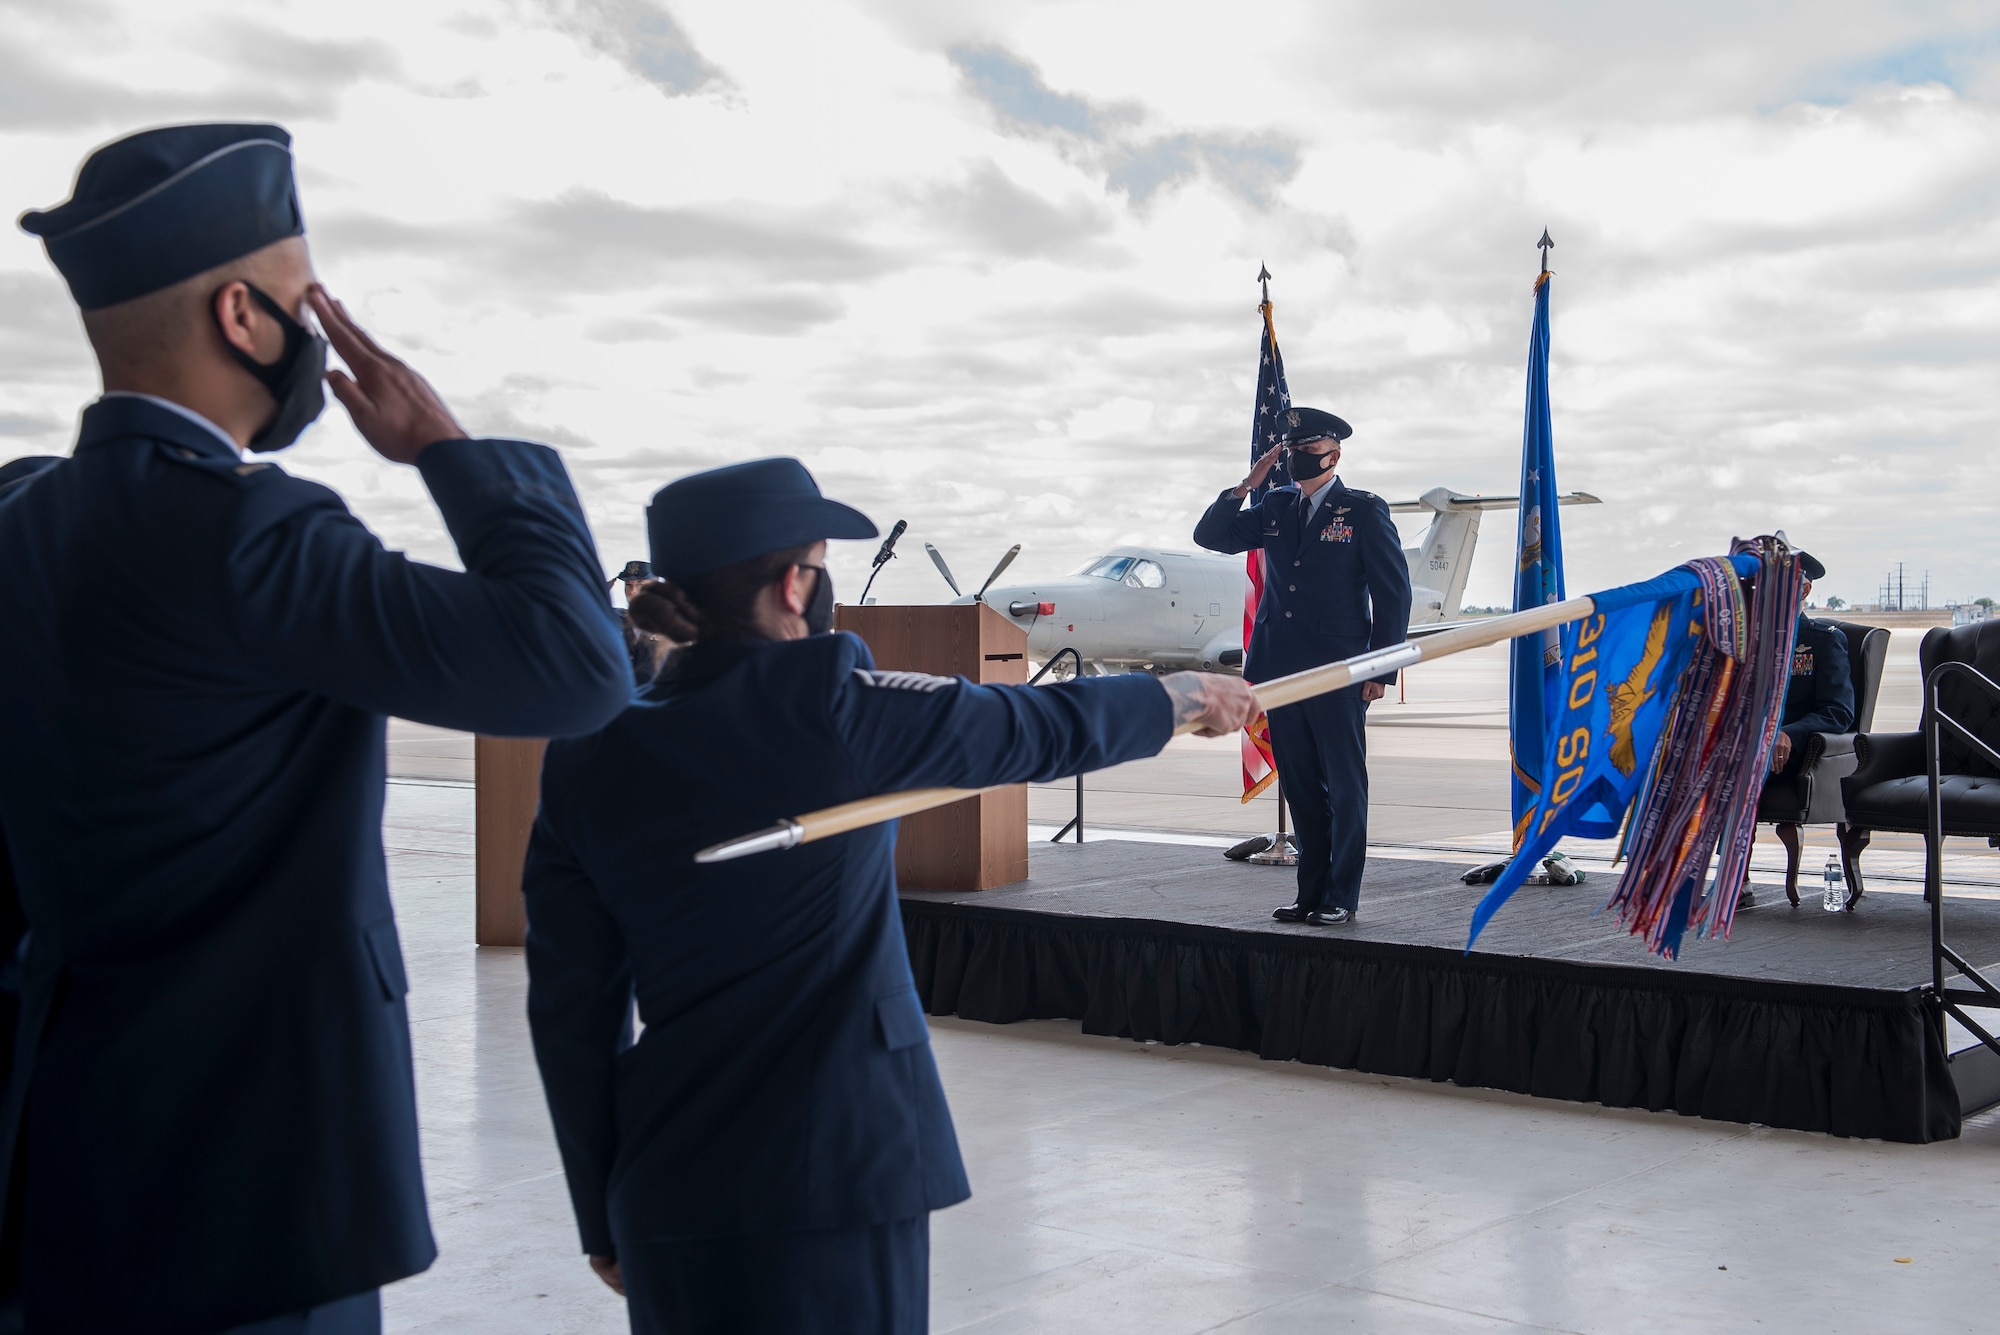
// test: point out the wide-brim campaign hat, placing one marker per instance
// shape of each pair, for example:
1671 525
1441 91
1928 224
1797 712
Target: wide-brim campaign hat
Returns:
709 520
1301 426
162 205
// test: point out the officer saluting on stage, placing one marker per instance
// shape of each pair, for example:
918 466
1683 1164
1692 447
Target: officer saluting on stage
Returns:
210 1111
766 1155
1335 585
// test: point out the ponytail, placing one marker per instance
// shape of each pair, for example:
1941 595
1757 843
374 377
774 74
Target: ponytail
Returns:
714 605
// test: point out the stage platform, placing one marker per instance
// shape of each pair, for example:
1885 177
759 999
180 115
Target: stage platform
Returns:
1805 1019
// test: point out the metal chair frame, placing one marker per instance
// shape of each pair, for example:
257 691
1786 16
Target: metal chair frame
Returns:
1983 994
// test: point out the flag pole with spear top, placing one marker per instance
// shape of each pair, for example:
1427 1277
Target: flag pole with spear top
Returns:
791 832
1278 849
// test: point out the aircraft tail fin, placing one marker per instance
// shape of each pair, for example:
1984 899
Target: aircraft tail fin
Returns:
1440 563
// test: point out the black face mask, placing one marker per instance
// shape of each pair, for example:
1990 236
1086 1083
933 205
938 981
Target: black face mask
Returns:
819 612
295 380
1305 466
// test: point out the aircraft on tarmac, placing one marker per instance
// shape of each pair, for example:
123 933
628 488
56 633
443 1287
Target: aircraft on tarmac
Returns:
1151 609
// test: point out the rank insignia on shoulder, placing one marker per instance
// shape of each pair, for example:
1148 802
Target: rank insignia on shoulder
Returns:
1337 531
903 681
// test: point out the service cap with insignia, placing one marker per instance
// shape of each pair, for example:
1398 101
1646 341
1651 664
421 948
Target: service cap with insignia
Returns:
1810 567
1301 426
709 520
162 205
633 570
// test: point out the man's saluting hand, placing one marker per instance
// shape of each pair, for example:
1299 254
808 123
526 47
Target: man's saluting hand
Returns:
393 407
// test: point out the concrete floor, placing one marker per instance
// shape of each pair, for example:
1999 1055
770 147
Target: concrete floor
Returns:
1121 1186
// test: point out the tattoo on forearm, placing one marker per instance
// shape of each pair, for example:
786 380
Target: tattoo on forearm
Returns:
1184 689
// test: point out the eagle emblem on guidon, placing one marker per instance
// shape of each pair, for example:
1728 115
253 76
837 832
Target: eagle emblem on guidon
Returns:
1628 695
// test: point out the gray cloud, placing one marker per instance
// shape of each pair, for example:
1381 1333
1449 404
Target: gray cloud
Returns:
509 409
324 65
996 216
589 241
1451 66
40 332
644 38
1114 138
266 73
24 424
776 311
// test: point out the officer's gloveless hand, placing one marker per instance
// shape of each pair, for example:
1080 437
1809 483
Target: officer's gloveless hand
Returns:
393 407
1215 704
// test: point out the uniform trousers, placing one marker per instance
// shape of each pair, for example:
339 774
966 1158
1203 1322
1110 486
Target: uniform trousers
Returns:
358 1315
835 1281
1321 746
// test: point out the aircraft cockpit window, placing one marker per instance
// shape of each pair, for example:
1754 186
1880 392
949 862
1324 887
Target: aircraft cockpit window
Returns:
1111 567
1146 575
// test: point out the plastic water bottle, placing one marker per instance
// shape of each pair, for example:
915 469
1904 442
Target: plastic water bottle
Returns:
1835 897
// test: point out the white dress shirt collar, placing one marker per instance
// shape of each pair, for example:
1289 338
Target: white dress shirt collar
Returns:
183 410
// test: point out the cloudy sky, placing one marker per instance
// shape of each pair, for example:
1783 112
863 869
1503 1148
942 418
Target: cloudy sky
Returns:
989 268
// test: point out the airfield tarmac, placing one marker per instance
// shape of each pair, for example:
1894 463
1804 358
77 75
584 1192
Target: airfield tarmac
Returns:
1132 1187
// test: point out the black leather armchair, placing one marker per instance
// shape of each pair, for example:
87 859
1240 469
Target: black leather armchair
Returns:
1811 793
1889 787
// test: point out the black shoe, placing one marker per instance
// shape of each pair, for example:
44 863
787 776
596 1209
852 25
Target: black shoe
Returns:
1291 913
1745 899
1330 917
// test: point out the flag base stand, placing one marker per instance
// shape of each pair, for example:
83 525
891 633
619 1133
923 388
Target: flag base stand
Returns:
1269 850
1281 851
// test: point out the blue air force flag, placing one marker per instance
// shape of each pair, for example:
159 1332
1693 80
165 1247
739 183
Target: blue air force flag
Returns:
1615 686
1536 660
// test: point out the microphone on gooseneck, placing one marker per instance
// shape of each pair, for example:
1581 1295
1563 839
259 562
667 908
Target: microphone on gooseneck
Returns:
883 557
888 550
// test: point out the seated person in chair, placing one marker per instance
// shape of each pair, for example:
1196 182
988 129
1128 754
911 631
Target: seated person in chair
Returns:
1820 695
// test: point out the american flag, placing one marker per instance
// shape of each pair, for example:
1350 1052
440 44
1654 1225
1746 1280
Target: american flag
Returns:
1273 399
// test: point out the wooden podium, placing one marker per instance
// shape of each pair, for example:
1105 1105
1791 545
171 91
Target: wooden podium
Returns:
983 841
507 783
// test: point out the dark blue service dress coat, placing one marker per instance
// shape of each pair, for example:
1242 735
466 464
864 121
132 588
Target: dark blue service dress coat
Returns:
1333 588
1819 696
196 654
1335 585
784 1079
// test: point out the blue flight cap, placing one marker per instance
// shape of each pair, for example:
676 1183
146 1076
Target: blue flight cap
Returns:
20 470
1301 426
163 205
706 521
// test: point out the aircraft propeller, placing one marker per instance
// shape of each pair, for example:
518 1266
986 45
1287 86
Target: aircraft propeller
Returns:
937 559
1005 561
